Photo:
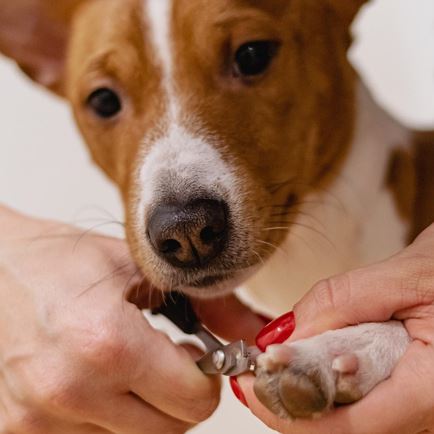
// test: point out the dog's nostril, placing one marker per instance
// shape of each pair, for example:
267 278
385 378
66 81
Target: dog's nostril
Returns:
189 235
170 246
209 234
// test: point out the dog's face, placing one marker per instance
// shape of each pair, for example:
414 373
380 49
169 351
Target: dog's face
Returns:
214 117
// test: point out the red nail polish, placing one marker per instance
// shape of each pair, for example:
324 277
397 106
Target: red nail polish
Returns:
276 332
233 381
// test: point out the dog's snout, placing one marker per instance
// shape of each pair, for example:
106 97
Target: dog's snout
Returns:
189 235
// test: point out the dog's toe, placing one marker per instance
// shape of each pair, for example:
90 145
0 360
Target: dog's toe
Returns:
305 378
301 393
266 388
287 386
346 369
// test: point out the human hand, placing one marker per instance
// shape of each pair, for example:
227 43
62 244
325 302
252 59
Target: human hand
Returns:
76 357
402 288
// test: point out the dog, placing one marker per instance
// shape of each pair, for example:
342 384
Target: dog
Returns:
235 130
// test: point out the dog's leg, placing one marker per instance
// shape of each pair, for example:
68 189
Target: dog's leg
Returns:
305 378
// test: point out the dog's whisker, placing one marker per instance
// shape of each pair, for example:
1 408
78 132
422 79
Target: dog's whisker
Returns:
95 208
261 259
118 270
89 231
127 285
302 225
273 246
276 228
82 222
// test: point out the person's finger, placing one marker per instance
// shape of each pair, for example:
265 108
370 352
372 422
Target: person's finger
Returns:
229 318
166 376
195 352
129 414
83 429
70 428
400 405
370 294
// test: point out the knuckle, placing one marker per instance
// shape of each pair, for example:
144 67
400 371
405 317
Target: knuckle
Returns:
102 346
329 294
416 275
44 386
56 392
325 291
24 420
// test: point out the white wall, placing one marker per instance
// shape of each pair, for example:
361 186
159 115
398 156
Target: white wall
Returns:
44 166
45 169
395 54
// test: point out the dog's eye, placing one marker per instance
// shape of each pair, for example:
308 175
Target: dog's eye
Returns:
104 102
253 58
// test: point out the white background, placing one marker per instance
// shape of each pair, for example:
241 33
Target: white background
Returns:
45 169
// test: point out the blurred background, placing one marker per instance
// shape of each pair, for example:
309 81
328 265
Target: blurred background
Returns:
45 169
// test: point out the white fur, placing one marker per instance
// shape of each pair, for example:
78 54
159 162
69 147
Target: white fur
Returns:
174 158
158 15
189 166
356 213
192 161
190 158
354 359
353 223
377 346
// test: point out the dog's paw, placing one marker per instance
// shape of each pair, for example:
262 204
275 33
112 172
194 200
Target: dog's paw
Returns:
306 378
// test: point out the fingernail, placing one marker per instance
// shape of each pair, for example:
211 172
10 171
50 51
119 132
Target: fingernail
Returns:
233 381
276 332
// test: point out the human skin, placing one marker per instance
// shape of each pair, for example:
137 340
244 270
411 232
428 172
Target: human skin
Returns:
402 288
76 354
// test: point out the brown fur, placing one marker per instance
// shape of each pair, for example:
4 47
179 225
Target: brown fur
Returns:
296 121
401 179
423 211
410 178
118 57
35 33
286 132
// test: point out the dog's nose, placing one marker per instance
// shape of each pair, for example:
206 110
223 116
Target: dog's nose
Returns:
189 235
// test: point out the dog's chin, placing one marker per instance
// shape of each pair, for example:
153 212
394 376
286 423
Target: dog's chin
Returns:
216 286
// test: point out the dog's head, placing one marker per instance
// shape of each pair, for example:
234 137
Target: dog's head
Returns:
214 117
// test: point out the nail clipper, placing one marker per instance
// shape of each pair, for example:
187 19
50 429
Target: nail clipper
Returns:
231 360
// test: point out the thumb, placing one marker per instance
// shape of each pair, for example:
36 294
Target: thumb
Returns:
371 294
229 318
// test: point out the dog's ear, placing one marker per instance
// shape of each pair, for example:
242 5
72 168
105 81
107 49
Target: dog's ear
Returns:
347 9
35 34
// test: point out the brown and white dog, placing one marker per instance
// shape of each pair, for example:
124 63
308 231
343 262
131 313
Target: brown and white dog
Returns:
245 147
